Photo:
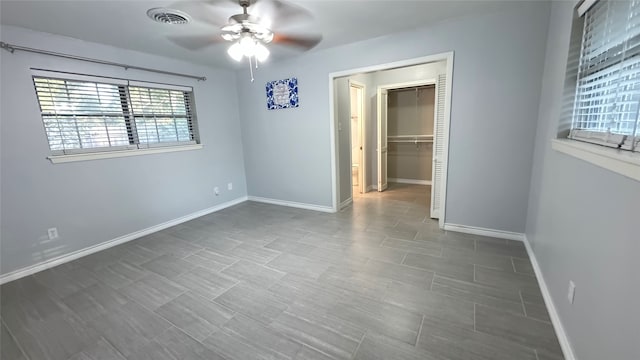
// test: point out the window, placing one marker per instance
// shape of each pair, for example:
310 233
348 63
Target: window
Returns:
82 115
607 88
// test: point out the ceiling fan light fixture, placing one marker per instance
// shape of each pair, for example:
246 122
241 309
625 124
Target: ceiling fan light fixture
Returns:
248 45
235 52
262 53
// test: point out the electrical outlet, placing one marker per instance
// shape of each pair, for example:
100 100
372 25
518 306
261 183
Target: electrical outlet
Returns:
53 233
572 292
230 186
216 190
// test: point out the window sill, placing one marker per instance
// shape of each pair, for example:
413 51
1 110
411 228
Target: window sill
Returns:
619 161
57 159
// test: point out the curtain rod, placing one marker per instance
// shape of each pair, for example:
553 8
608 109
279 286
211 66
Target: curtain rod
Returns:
12 48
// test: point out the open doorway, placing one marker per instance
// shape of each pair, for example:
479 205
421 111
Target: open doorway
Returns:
428 76
410 126
357 92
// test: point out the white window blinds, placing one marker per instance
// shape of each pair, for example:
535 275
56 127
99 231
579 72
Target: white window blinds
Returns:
89 116
161 115
608 85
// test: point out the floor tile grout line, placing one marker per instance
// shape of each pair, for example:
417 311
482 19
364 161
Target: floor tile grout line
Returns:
474 273
474 317
404 258
524 308
112 346
420 330
359 344
15 340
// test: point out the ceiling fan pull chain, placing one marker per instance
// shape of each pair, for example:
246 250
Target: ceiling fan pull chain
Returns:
251 69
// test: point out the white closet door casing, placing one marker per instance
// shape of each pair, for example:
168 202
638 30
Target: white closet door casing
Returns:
438 148
382 139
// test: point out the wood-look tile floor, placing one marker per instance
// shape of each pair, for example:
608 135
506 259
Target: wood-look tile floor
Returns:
378 280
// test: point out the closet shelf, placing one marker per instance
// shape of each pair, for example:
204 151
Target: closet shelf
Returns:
410 139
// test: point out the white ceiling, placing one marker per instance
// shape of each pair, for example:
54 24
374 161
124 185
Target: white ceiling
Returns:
125 23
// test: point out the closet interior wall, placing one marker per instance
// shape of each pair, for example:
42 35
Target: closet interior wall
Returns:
410 134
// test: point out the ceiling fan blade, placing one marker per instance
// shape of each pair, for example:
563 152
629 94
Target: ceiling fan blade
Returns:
196 42
215 13
305 42
278 12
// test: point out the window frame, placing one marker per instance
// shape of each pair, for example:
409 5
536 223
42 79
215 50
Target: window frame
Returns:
617 160
135 146
595 77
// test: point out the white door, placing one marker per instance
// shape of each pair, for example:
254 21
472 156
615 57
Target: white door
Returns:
438 148
382 139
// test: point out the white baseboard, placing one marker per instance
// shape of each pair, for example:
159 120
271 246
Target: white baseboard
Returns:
410 181
47 264
294 204
563 339
346 203
500 234
371 188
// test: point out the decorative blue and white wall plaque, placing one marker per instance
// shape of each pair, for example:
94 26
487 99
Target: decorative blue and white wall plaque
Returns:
282 94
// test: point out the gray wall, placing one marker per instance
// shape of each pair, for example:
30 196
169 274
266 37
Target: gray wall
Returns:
583 226
94 201
410 162
287 152
410 112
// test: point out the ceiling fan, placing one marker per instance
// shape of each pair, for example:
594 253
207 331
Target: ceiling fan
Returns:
249 33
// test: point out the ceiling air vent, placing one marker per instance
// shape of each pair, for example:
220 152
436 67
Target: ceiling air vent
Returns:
168 16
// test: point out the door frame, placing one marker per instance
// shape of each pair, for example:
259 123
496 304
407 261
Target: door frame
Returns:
362 171
387 87
448 58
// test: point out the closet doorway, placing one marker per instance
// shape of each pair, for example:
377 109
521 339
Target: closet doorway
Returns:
348 168
357 93
410 118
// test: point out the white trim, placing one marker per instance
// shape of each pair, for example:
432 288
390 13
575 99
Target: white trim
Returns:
334 144
500 234
58 159
447 125
371 188
563 339
392 65
585 6
407 84
346 203
447 56
47 264
623 162
294 204
410 181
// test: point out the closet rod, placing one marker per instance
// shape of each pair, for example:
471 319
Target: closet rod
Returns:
12 48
